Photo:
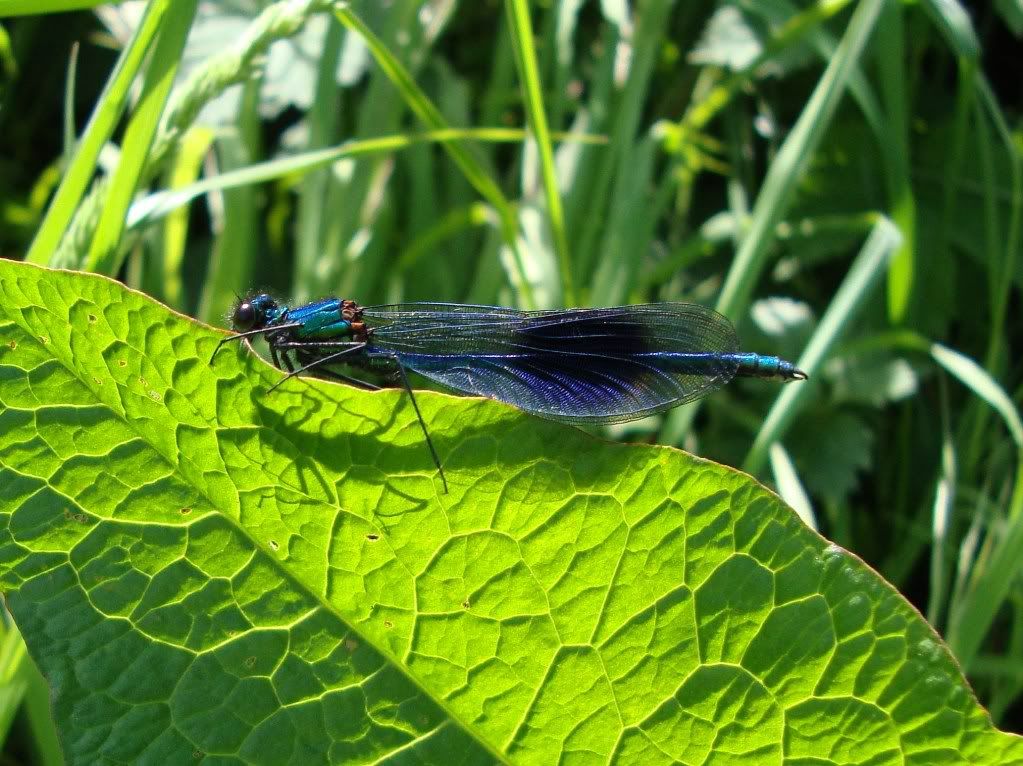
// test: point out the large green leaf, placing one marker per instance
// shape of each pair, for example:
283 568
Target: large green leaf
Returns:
203 570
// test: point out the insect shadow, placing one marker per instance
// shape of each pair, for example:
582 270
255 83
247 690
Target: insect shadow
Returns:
318 443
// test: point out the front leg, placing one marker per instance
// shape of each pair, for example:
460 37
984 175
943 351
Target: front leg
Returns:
282 359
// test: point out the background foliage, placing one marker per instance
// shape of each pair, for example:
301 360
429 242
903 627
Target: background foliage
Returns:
842 179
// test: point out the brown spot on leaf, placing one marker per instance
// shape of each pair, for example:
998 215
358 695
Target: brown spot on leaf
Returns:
122 363
388 624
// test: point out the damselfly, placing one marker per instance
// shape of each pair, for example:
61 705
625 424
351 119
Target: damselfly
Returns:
605 365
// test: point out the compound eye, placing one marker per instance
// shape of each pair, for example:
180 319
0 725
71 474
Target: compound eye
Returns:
244 316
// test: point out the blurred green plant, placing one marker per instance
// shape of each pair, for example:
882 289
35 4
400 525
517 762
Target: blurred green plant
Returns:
602 153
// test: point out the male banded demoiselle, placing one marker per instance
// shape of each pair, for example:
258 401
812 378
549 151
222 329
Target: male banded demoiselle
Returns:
604 365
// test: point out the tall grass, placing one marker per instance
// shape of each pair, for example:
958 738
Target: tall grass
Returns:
841 179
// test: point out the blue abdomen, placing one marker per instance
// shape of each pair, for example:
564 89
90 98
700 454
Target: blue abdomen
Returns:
752 365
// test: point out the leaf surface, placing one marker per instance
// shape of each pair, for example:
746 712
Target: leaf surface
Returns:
202 570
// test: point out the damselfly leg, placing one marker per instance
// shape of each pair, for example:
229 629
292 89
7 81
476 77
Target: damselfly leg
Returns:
321 365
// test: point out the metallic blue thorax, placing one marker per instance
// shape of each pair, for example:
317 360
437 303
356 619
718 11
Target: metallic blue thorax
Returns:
321 320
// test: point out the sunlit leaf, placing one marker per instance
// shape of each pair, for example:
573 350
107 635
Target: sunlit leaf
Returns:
200 568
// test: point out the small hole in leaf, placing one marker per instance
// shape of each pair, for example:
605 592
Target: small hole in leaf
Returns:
122 363
185 511
13 344
43 339
388 624
274 545
372 537
143 383
92 317
465 604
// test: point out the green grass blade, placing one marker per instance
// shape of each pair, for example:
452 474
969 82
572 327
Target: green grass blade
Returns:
39 713
185 169
425 110
456 221
792 160
236 249
592 167
895 143
105 254
790 488
155 206
856 289
792 26
599 194
1001 244
13 655
101 126
942 517
22 688
628 228
219 72
972 616
524 47
954 22
70 131
1006 269
780 184
322 122
978 380
36 7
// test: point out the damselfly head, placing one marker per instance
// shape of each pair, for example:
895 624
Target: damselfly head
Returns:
254 313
